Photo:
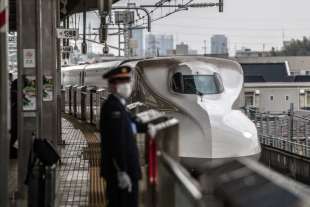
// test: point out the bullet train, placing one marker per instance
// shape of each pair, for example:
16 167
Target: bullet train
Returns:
199 91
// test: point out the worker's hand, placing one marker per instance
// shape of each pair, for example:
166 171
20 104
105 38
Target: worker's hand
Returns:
124 181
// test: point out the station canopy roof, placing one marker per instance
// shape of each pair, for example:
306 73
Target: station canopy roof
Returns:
73 6
76 6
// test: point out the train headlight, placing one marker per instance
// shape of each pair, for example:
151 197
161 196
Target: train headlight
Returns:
247 134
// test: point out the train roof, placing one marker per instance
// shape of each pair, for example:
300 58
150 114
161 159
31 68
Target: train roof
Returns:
73 67
108 64
155 60
180 59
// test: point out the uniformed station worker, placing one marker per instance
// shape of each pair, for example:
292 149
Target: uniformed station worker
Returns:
120 158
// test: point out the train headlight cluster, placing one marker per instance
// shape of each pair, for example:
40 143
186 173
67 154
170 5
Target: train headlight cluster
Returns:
247 134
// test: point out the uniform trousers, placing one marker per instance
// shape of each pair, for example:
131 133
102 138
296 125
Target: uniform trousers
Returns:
122 198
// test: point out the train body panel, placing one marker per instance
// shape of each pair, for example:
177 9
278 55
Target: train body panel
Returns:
94 72
200 92
207 121
72 75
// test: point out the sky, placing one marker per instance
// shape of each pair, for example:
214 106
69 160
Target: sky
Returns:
255 24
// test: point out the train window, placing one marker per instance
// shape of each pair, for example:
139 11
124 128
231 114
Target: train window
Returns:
197 84
249 98
177 82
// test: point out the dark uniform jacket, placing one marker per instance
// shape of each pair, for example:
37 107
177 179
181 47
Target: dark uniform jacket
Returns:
117 141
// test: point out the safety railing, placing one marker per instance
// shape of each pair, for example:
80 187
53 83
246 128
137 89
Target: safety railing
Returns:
288 131
167 183
300 148
187 190
245 182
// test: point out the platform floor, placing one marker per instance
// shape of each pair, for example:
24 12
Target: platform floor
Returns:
78 176
79 180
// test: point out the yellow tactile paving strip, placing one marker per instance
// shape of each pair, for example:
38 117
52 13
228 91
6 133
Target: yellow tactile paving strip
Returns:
91 153
73 172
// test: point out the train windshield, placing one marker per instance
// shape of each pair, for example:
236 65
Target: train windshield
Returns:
197 84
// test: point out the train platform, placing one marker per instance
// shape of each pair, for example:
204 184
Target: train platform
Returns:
79 181
78 176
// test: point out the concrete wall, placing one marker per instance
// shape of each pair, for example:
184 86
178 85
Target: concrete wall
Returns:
279 102
289 164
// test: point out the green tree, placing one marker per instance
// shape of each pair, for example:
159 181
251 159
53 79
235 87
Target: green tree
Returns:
297 47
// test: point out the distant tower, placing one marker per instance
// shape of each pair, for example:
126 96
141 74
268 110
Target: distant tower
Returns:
219 44
137 35
182 49
158 45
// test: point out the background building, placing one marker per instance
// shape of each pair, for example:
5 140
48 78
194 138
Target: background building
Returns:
192 52
158 45
273 83
247 52
297 65
137 36
219 44
182 49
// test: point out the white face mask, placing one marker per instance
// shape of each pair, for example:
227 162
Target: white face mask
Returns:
124 89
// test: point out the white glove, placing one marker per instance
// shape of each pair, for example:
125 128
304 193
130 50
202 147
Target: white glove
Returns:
124 181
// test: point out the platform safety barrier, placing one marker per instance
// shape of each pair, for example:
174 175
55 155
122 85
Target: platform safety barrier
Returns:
68 99
74 100
90 104
80 101
245 182
63 102
101 97
167 183
236 183
84 102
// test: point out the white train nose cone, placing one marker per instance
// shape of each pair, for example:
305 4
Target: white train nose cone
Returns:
232 133
236 137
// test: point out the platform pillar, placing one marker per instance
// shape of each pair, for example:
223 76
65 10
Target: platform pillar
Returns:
37 80
4 115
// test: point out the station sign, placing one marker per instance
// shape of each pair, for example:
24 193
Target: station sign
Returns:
29 56
67 49
12 39
67 33
124 17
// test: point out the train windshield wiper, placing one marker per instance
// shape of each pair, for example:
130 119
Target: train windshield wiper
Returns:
195 90
199 93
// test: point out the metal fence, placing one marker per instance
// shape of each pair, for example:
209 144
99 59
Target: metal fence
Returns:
288 131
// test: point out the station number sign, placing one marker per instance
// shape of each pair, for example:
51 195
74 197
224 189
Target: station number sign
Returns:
67 49
12 39
67 33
